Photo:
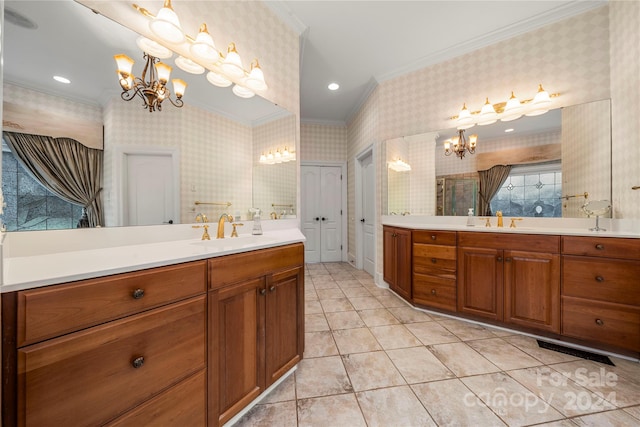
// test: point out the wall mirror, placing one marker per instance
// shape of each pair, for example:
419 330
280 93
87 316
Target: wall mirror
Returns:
560 160
69 39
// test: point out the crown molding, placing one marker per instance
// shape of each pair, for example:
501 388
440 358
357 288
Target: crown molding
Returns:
286 15
338 123
372 84
559 13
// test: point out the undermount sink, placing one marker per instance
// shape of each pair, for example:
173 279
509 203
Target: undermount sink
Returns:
235 242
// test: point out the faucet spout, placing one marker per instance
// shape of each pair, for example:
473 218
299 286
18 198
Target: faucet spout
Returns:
224 217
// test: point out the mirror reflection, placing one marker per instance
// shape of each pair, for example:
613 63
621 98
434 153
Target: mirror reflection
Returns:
542 166
205 151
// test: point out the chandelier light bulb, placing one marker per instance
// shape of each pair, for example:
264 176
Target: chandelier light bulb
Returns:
204 48
166 25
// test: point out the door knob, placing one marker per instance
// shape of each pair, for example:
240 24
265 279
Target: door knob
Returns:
168 222
324 219
362 220
317 218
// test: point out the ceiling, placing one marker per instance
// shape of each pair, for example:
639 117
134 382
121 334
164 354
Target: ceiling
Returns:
357 44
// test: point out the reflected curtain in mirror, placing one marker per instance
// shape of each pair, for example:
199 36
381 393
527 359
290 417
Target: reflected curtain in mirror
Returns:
490 182
63 166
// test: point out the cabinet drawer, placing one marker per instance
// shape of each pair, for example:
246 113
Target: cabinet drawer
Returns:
89 377
516 242
229 269
434 291
601 279
614 324
183 404
602 247
434 259
435 237
55 310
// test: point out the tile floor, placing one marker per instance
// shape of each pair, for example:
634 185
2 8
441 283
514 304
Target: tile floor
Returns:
371 360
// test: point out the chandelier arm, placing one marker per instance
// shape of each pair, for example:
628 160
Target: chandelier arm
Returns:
178 102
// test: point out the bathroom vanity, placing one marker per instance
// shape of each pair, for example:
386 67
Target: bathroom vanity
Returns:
192 342
572 285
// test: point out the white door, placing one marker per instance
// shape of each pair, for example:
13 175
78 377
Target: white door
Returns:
149 187
368 213
321 211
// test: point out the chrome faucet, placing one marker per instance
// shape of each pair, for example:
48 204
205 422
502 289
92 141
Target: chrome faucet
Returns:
224 217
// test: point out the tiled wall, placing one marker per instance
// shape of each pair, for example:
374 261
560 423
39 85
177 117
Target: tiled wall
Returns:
570 57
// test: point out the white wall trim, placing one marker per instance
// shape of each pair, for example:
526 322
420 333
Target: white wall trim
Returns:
343 202
120 152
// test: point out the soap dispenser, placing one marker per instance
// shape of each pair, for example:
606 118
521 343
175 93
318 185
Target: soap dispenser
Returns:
470 219
257 227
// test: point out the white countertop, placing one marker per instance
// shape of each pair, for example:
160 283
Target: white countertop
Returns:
25 272
555 226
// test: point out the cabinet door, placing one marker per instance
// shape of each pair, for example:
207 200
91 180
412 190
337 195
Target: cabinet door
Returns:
532 289
236 356
403 263
389 255
284 337
480 285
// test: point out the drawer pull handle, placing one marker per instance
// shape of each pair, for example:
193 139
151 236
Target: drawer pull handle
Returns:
272 288
433 237
499 259
138 362
433 291
138 293
600 246
263 291
433 260
599 279
599 322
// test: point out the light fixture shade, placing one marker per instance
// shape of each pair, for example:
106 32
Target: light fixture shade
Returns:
447 144
242 92
455 140
255 81
270 158
166 25
185 64
217 80
399 166
204 48
465 121
153 48
541 102
473 141
124 64
232 64
487 115
164 71
263 158
513 110
179 87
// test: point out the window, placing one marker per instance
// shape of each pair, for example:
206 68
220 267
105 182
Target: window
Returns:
30 206
531 190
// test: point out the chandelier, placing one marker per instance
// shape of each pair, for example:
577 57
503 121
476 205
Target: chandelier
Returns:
460 144
505 111
152 90
200 54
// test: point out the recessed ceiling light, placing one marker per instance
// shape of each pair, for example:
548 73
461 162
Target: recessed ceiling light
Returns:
61 79
333 86
509 130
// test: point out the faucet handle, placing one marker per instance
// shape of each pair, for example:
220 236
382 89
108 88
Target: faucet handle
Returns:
234 232
513 222
205 234
488 223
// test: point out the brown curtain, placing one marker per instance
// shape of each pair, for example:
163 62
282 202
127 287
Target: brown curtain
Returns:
65 167
490 182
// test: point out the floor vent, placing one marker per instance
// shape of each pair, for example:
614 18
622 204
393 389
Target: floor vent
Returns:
575 352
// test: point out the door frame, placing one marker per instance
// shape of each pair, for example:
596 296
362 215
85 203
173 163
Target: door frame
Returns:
359 256
343 202
120 154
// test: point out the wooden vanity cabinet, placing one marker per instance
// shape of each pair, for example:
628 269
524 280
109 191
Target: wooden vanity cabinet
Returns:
434 269
600 297
256 329
397 260
123 366
510 278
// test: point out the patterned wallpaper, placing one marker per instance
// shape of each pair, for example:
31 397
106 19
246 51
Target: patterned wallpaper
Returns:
625 106
570 57
327 143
